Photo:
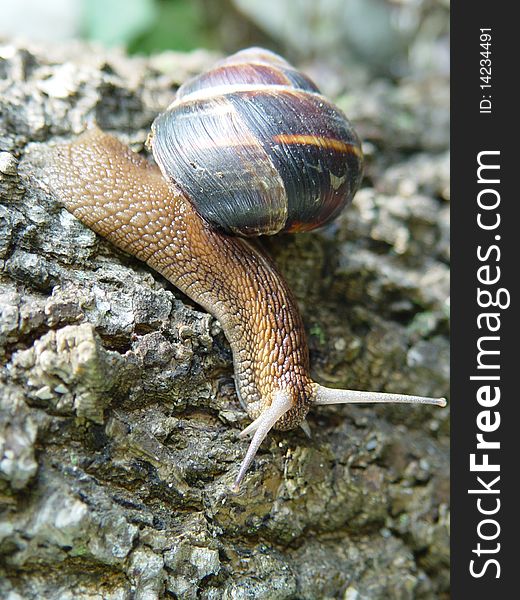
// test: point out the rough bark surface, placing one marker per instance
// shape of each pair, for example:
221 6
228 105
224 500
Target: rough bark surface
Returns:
118 415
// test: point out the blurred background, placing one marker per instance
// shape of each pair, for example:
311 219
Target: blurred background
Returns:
382 38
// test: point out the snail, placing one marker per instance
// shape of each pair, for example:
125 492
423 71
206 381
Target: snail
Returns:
248 148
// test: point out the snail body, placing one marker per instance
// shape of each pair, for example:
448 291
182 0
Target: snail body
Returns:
180 224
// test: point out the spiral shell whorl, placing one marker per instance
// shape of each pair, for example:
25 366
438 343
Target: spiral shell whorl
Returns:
245 69
257 148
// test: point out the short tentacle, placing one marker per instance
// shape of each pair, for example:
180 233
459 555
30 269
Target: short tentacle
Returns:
261 426
306 428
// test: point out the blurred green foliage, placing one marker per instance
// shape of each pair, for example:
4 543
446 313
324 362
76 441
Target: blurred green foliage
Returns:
147 26
386 37
178 24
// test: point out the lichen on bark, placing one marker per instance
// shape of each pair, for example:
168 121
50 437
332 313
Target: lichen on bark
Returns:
118 415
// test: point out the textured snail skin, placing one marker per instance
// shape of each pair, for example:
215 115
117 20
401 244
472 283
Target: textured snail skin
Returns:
125 199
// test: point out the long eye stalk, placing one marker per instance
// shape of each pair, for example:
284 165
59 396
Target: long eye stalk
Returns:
325 395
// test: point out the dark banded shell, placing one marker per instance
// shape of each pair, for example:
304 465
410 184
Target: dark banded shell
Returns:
257 149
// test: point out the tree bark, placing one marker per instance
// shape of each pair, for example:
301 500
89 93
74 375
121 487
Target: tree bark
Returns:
119 419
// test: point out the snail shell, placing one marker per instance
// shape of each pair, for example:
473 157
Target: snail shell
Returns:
257 149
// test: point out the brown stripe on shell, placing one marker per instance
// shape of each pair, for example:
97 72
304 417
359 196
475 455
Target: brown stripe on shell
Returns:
319 179
323 142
